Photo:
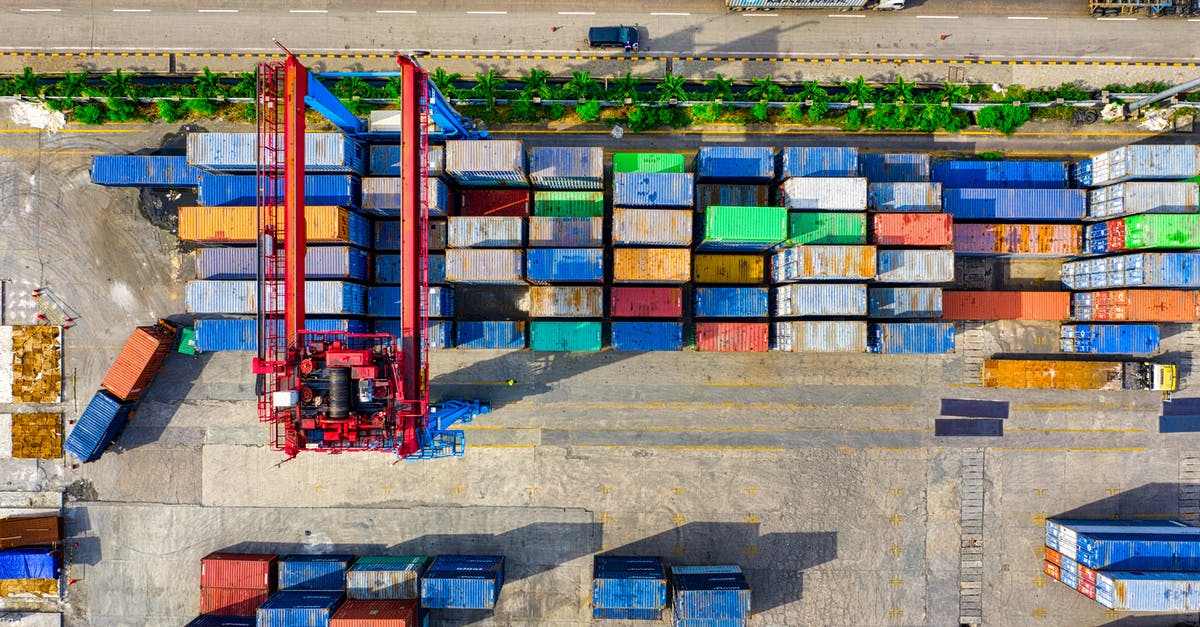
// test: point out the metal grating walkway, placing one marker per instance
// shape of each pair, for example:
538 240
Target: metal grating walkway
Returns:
970 572
1189 488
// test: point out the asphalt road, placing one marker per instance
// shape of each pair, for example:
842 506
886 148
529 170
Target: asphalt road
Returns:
1026 29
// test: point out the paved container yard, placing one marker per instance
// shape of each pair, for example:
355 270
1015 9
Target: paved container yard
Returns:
819 474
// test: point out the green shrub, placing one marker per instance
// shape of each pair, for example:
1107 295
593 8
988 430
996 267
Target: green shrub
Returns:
708 113
679 117
817 111
642 119
854 119
168 111
556 111
200 107
88 114
991 155
59 104
1005 118
249 112
758 112
588 111
794 112
523 110
120 109
1070 91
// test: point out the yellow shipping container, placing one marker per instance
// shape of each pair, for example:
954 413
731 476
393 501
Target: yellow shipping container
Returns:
1052 374
240 224
652 265
738 269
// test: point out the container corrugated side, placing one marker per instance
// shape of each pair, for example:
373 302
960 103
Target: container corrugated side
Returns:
1154 231
925 338
915 265
1134 270
314 572
648 162
1018 240
1000 174
968 305
499 334
735 163
485 232
912 229
628 583
231 601
822 336
647 336
1052 205
240 190
727 337
743 228
651 227
1123 550
727 269
1114 339
564 265
240 297
486 162
726 195
565 335
1052 374
23 531
811 227
493 202
385 195
385 160
904 302
160 171
652 265
573 168
100 422
320 262
566 301
731 302
820 299
1141 305
1148 591
388 269
646 302
386 577
1143 197
646 189
239 225
554 232
384 301
894 167
1140 162
378 613
569 204
388 234
709 594
904 197
818 161
293 608
824 194
838 263
138 361
207 621
238 152
241 334
463 582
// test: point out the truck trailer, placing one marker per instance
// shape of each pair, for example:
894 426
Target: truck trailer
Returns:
1053 374
836 5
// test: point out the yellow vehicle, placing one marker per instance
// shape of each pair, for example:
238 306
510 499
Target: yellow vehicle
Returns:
1053 374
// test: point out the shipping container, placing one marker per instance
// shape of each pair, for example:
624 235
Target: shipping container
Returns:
1137 550
1095 238
564 265
575 168
820 299
555 232
255 571
725 195
441 334
824 194
463 582
646 302
485 232
820 336
1052 556
628 584
386 577
652 265
380 613
504 334
238 152
646 189
239 225
911 229
314 572
320 262
40 563
1125 199
1117 339
894 167
437 235
1152 231
22 531
329 298
495 266
904 302
750 164
818 161
241 190
710 593
564 335
732 302
1018 240
647 336
968 305
494 162
724 268
385 301
1141 305
1054 375
231 601
648 162
839 263
389 269
1052 570
743 228
496 203
1049 205
139 360
809 227
1000 174
904 197
1148 591
220 621
98 425
915 265
241 334
299 609
926 338
385 160
1062 533
1139 162
1134 270
162 171
566 302
569 204
651 227
385 196
740 337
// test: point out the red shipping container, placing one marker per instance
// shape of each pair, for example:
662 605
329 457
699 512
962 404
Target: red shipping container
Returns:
139 361
1087 588
1052 571
1087 574
912 229
1006 305
1115 234
1052 556
493 202
389 613
254 571
1147 305
647 302
737 337
231 601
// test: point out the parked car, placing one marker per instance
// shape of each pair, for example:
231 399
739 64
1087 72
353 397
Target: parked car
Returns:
626 37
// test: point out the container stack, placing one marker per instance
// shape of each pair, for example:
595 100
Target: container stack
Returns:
1127 565
463 582
629 588
820 274
236 584
710 595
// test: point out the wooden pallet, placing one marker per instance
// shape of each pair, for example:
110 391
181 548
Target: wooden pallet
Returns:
37 364
37 436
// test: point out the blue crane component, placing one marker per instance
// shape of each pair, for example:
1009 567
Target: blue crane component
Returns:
451 123
320 98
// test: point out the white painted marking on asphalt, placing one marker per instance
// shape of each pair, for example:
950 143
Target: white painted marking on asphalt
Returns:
308 11
576 12
1193 20
40 10
672 14
858 16
487 12
216 10
754 14
131 10
1117 19
395 11
937 17
1028 18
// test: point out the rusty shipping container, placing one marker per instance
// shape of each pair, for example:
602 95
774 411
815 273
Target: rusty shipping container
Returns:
652 265
651 227
1005 305
823 263
1025 240
554 301
1050 374
912 229
139 361
485 266
1141 305
732 269
30 531
255 571
555 232
377 613
494 202
725 195
646 302
732 337
820 336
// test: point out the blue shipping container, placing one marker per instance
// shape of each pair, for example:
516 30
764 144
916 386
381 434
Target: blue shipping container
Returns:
385 160
388 269
441 332
28 564
1116 339
732 302
241 334
818 161
710 592
750 164
241 190
240 297
652 189
384 301
1148 592
905 197
566 168
894 167
630 588
320 262
1000 174
1034 205
1139 162
1095 238
470 582
904 302
293 608
504 334
929 338
647 336
314 572
143 171
1069 527
98 425
238 152
564 265
1138 551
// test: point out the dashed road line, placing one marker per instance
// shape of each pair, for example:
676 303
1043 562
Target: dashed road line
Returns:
937 17
853 16
404 11
216 10
1028 18
40 10
131 10
308 11
487 12
671 14
1117 19
576 12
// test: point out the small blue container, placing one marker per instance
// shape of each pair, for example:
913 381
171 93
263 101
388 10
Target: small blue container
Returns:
710 593
894 167
749 164
653 189
647 336
1000 174
299 608
732 302
320 262
629 588
504 334
925 338
98 425
223 621
1033 205
144 171
241 190
314 572
818 161
564 265
468 582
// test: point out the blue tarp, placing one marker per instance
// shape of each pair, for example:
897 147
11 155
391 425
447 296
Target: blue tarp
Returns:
28 564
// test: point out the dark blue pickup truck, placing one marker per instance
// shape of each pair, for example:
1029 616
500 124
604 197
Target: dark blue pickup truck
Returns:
626 37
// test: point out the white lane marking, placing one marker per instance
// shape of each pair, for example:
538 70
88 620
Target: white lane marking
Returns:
40 10
131 10
1028 18
405 11
756 14
487 12
576 12
937 17
308 11
1117 19
672 14
1193 20
216 10
859 16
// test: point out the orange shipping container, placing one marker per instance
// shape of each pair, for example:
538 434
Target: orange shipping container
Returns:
1052 556
30 531
1051 571
912 229
1005 305
1144 305
380 613
240 224
1049 374
652 265
231 601
139 361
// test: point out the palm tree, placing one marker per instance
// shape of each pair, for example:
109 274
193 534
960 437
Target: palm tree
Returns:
208 83
119 85
581 85
627 86
952 93
901 91
719 87
445 81
486 86
72 85
391 89
350 87
535 84
814 92
671 88
765 90
858 89
28 83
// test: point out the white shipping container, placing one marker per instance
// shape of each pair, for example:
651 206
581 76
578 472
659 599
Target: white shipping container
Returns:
820 336
915 265
555 232
821 299
824 193
485 232
486 161
485 266
652 227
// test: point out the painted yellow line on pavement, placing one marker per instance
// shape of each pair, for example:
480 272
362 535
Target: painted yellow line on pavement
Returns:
1070 449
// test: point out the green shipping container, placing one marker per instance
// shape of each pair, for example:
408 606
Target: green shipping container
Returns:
569 204
565 335
827 228
649 162
1164 230
766 225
